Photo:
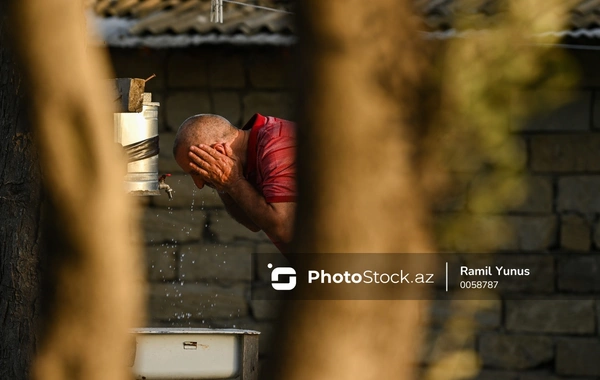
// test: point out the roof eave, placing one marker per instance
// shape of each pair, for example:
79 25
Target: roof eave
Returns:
115 32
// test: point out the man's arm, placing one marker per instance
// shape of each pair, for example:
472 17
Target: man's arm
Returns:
276 219
236 213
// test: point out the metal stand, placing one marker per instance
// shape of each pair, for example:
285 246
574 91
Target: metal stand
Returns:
249 357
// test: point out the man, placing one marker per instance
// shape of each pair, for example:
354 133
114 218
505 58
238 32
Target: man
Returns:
252 169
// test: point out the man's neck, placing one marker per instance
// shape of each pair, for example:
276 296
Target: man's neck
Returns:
240 146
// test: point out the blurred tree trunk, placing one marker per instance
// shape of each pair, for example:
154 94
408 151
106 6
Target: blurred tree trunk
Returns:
20 208
20 198
360 186
94 281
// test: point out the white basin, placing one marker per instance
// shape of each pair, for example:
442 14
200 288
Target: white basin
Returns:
194 353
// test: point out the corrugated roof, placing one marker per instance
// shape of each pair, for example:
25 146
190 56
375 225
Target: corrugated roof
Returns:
441 14
165 23
157 17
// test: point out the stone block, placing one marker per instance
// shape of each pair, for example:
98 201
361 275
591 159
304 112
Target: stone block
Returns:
128 94
166 161
597 235
575 233
277 104
226 70
159 97
269 69
551 316
229 105
598 316
215 262
268 250
596 110
580 274
162 262
539 197
180 105
140 63
196 301
267 340
515 352
264 309
579 194
578 357
490 374
565 153
488 314
495 193
507 232
172 226
223 228
532 233
541 279
187 68
539 375
587 62
574 115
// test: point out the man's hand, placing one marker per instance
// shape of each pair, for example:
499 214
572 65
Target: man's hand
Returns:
219 166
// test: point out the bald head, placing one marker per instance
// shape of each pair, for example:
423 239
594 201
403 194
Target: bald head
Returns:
203 129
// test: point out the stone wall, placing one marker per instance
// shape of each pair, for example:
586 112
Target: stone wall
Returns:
558 225
200 263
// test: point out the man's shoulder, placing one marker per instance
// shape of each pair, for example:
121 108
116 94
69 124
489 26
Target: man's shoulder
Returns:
276 127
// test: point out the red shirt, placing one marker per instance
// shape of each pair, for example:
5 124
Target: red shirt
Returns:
271 161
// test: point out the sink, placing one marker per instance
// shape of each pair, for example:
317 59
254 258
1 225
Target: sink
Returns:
195 353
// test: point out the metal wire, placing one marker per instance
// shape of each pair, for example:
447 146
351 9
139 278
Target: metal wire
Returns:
258 6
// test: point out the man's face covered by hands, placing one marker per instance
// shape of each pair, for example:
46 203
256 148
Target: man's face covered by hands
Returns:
183 160
215 166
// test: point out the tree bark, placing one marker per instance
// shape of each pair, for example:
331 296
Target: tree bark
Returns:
20 207
360 185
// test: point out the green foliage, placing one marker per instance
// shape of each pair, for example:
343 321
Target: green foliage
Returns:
492 79
498 72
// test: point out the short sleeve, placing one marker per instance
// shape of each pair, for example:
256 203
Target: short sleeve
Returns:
277 156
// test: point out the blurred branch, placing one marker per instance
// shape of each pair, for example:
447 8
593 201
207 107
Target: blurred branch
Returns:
359 185
95 296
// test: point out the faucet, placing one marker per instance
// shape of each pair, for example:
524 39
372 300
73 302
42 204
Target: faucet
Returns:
163 186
